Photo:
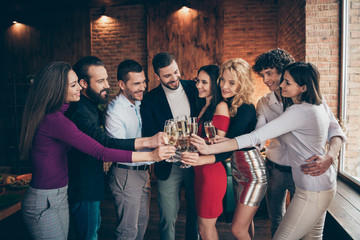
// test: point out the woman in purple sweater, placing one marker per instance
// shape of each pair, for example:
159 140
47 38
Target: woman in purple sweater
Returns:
46 137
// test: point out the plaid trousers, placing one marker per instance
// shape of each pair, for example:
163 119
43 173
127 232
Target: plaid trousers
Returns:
46 213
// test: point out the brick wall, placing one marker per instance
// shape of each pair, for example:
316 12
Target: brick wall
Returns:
310 31
122 34
323 46
249 30
304 28
291 28
119 35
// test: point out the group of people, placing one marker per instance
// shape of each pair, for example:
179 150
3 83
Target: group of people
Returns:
65 133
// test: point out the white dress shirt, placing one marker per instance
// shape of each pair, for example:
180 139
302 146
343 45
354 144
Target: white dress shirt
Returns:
123 121
268 108
304 129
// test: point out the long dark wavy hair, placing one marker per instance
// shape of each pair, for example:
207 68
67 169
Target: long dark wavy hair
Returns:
213 72
46 95
304 74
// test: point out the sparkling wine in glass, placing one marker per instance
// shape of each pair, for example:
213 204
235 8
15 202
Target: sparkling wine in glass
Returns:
184 135
183 143
170 128
182 125
193 128
193 125
210 131
184 146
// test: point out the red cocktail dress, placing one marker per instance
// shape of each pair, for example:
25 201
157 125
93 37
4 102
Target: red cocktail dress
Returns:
210 179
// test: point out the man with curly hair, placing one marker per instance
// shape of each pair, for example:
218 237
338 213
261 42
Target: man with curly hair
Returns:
270 66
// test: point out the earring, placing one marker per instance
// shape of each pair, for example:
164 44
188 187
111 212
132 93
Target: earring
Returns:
299 96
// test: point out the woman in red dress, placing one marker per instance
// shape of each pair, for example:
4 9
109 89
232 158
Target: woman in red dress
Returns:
210 179
248 168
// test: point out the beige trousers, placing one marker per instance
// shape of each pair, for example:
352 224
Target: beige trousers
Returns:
305 216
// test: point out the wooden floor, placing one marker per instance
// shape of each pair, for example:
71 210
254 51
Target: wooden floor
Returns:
262 224
13 227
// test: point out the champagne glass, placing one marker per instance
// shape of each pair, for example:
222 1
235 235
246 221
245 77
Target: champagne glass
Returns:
181 122
210 131
183 143
184 135
170 128
184 146
193 128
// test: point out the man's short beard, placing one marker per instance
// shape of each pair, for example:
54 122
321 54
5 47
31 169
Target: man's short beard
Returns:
168 85
96 97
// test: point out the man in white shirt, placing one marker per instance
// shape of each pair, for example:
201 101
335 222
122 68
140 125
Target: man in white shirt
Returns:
129 182
270 66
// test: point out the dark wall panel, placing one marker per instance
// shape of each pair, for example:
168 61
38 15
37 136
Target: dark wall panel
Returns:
25 47
193 35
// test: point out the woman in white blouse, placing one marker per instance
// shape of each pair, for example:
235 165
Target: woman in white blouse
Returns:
303 127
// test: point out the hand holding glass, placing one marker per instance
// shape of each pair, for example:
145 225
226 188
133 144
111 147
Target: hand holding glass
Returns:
184 135
170 128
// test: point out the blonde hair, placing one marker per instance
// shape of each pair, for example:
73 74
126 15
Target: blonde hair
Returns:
241 71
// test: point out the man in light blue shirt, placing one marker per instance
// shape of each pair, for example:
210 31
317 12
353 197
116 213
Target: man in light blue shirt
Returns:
129 182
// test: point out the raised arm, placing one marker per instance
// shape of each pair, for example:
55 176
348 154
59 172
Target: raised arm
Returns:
285 123
151 142
66 131
203 148
91 128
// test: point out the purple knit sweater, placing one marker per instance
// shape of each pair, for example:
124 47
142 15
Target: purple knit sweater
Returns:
54 137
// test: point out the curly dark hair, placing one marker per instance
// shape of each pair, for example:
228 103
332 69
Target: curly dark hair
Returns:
276 58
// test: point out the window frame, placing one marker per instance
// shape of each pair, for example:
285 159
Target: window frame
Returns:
343 91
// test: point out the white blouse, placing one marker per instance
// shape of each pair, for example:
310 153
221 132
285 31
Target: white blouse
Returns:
268 108
304 129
